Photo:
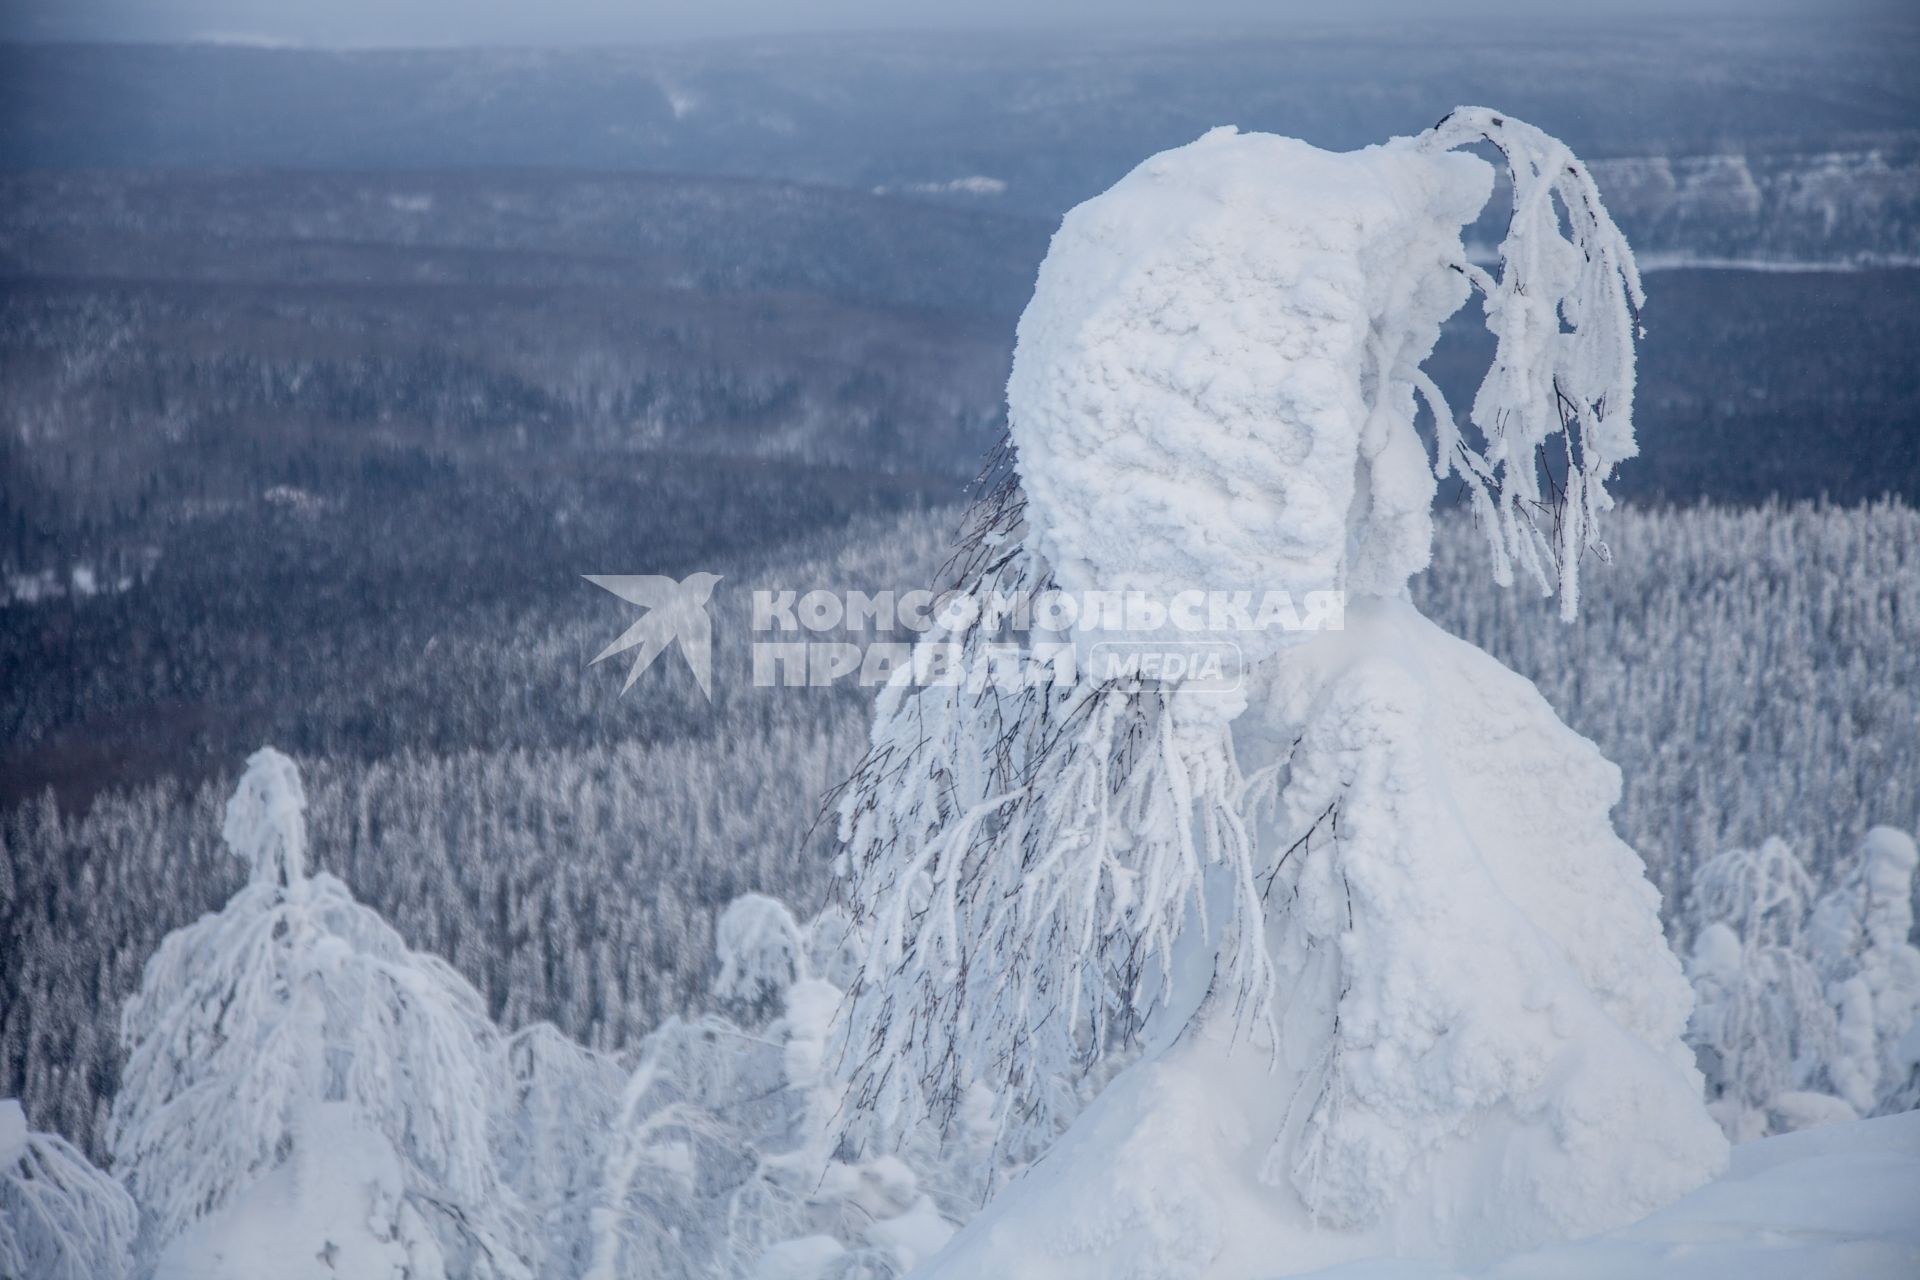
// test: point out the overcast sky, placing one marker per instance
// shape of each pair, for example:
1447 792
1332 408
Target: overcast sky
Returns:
362 23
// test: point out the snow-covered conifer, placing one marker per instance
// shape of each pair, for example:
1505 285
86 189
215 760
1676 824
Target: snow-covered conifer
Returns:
1859 937
292 1021
1364 911
60 1218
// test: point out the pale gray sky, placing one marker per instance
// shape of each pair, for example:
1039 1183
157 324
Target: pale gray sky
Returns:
363 23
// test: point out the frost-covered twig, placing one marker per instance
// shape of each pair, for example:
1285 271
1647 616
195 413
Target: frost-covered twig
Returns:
1564 311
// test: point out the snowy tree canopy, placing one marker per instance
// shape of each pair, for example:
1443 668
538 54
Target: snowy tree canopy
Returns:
292 1002
1761 893
1805 1011
1380 861
266 820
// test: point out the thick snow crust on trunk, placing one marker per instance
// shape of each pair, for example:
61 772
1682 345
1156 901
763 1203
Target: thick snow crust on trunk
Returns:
1196 389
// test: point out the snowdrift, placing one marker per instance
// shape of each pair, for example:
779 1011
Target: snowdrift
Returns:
1842 1200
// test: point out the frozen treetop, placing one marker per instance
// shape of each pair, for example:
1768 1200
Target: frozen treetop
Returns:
266 824
1214 385
761 952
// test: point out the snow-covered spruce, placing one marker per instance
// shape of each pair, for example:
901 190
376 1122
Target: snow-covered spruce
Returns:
60 1218
303 1094
1397 985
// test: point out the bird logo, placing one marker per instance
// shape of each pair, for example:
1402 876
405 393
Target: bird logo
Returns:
675 611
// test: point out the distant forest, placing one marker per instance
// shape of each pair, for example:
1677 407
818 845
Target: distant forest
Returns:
266 432
567 848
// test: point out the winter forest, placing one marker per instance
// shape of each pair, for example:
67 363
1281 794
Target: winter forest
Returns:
1538 901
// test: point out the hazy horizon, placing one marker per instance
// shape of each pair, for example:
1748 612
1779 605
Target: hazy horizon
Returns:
369 25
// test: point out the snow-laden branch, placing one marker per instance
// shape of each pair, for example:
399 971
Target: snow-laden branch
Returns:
1025 862
60 1218
1564 311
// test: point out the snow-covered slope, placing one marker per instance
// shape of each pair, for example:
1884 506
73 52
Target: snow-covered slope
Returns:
1843 1200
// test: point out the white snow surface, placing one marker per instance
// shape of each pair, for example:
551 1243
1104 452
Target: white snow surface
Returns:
1841 1200
336 1209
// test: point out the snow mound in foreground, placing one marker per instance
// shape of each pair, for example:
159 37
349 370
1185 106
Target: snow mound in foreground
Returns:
1842 1200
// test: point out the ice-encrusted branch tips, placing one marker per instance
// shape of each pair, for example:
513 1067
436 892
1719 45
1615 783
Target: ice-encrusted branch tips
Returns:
1564 312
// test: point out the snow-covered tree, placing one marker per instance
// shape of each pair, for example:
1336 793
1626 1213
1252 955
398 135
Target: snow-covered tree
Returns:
761 953
1764 1034
1394 976
557 1134
1762 894
301 1087
60 1218
724 1158
1860 939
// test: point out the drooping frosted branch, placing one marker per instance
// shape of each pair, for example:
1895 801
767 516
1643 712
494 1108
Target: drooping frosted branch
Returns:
1023 862
1564 311
60 1218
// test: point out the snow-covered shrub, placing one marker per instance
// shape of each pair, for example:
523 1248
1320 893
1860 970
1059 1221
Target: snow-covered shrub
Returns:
1365 913
291 1061
1797 999
556 1137
1860 939
60 1218
724 1158
761 954
673 1159
1762 894
1762 1030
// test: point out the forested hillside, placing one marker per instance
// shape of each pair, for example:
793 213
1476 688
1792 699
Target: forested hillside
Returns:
572 869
